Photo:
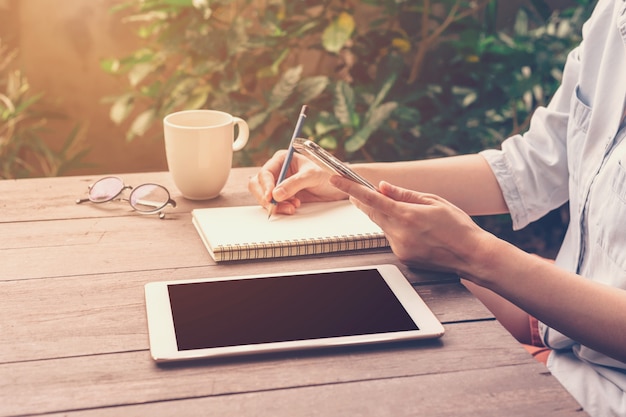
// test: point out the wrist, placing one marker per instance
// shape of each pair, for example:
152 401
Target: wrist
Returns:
488 261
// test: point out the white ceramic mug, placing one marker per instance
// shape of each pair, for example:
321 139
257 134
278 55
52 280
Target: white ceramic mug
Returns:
199 146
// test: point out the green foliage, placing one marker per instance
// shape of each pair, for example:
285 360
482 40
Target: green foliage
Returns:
385 79
473 86
239 56
484 86
23 153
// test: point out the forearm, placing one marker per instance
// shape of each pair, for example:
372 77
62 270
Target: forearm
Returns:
426 230
585 311
466 181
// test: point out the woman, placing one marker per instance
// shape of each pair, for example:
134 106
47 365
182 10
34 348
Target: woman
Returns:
573 151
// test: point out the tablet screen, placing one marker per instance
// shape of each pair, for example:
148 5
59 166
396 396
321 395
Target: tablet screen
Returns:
284 308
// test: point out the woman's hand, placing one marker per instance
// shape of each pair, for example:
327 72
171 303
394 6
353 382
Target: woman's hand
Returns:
304 182
423 229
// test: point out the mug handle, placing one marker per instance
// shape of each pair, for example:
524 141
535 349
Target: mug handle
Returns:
244 133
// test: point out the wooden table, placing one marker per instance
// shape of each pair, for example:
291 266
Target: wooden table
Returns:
73 333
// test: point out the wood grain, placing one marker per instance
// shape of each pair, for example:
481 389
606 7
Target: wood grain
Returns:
126 378
74 334
468 393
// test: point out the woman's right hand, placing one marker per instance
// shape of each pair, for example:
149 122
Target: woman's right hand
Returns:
304 182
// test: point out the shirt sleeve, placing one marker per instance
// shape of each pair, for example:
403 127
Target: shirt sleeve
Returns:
532 168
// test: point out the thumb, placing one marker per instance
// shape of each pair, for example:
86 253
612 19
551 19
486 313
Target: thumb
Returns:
291 186
402 194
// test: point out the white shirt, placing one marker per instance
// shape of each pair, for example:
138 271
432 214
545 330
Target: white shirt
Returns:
575 151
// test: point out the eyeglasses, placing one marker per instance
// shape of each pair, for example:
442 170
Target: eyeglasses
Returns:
145 198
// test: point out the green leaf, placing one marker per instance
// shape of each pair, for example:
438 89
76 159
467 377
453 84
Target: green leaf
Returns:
338 32
328 142
110 66
491 17
21 107
323 127
121 108
468 95
198 97
257 120
382 93
141 124
139 72
182 91
344 105
285 87
274 69
378 117
146 17
521 23
324 123
408 115
182 3
312 87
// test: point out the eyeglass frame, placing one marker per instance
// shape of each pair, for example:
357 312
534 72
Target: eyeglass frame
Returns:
170 201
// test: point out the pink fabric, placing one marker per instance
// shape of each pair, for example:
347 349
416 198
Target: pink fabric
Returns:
536 347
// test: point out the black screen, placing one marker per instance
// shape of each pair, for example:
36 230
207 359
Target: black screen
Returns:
284 308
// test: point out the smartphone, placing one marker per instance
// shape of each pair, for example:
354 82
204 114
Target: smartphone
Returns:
327 161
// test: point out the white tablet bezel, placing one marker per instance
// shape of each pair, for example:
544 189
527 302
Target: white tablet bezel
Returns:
163 346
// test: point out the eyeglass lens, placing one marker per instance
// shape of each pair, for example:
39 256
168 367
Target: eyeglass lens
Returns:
149 197
106 189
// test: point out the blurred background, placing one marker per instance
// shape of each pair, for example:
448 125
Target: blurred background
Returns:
60 50
59 47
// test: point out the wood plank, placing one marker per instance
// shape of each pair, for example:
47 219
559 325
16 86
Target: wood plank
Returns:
54 198
98 245
86 382
466 393
96 314
453 303
133 243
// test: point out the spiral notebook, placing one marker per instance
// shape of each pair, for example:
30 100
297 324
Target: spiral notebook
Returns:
245 232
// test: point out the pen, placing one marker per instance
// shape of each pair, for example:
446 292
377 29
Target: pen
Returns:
287 161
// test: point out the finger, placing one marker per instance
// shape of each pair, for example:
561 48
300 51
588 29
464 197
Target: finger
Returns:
267 183
298 181
263 183
350 187
261 186
403 195
374 204
359 192
256 189
288 207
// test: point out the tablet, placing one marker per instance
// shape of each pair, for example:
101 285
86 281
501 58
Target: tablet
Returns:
213 317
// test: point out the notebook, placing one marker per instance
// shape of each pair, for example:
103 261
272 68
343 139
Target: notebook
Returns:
245 232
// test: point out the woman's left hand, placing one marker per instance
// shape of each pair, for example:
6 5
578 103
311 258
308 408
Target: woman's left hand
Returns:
423 229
